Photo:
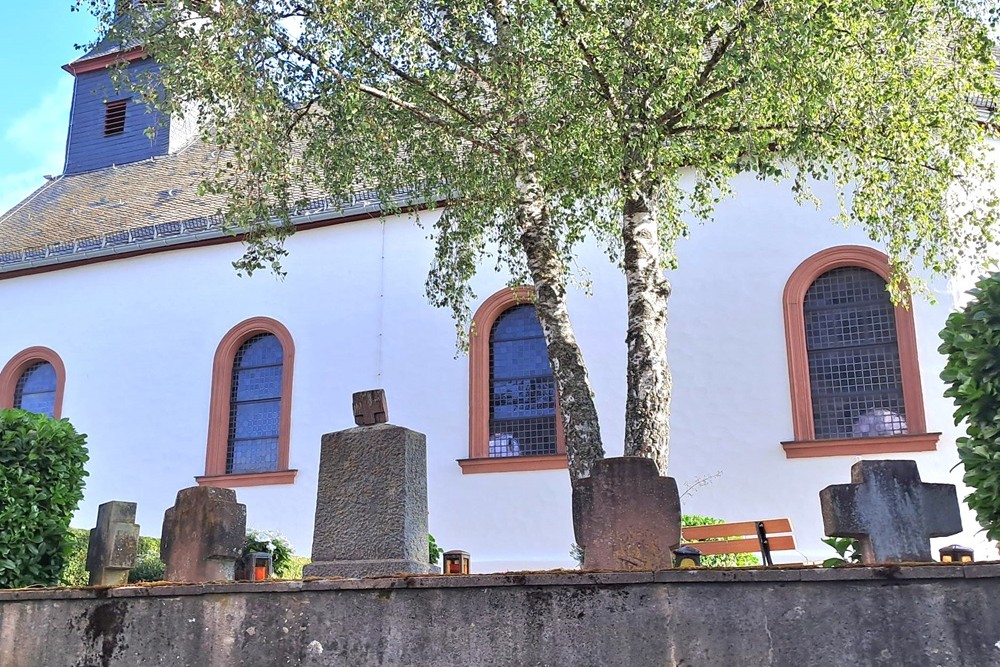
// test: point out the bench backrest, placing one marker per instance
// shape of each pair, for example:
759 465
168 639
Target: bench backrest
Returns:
738 538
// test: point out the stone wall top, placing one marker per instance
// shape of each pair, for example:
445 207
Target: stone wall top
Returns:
900 573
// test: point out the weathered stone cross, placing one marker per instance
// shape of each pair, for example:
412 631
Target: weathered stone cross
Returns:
113 544
203 534
370 407
890 511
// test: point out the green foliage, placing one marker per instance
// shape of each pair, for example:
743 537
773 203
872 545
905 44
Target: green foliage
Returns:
434 550
719 560
848 551
74 572
148 566
295 565
972 345
41 483
273 543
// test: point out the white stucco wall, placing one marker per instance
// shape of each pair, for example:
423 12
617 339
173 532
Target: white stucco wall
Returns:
138 336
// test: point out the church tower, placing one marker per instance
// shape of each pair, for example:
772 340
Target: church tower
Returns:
108 126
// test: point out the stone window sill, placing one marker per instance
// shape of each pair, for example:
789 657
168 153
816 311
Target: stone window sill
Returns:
513 464
248 479
890 444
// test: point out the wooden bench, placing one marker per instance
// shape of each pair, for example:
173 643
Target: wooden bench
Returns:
742 537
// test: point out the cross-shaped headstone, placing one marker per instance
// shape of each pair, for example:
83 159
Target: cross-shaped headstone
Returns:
890 511
626 516
113 544
370 407
203 535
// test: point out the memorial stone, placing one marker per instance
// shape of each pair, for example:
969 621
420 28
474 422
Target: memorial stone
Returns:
627 516
890 511
371 502
113 544
203 535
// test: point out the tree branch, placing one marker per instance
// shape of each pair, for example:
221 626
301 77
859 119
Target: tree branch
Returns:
591 61
671 116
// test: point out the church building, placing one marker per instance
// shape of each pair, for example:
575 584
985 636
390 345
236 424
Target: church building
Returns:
122 312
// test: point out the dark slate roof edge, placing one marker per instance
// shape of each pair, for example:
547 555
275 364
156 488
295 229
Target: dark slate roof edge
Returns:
163 235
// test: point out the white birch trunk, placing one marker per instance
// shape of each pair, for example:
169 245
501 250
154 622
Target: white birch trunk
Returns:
647 404
576 398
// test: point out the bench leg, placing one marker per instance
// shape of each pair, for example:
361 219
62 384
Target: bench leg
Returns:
765 545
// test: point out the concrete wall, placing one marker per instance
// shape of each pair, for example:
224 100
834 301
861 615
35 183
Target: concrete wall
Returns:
941 616
138 336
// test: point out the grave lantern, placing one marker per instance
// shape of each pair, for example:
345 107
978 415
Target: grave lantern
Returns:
687 556
956 553
456 562
261 566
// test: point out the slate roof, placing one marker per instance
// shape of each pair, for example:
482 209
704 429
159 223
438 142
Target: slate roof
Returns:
152 203
156 191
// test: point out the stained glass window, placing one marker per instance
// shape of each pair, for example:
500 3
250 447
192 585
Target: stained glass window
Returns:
255 404
522 387
854 369
35 390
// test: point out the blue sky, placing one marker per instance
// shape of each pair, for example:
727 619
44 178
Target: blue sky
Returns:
36 39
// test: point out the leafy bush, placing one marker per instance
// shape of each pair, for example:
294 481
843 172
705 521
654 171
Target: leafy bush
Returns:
74 572
272 543
41 483
848 551
434 551
148 566
972 344
295 565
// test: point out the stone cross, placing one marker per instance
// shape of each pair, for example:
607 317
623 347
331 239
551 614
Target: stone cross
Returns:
890 511
203 535
626 516
371 503
370 407
113 544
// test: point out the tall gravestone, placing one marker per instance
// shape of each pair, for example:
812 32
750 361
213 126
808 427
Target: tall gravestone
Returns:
626 516
890 511
113 544
203 535
371 503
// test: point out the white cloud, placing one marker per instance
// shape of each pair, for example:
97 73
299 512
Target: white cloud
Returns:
34 144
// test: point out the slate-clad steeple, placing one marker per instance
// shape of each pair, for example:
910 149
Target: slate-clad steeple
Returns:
109 126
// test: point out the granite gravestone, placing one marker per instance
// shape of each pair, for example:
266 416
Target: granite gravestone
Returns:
371 503
890 511
113 544
627 516
203 535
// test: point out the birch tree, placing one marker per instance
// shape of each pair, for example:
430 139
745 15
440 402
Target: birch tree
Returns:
541 122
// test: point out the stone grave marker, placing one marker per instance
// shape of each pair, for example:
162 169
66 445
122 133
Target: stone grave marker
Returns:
370 407
890 511
203 535
113 544
627 516
371 503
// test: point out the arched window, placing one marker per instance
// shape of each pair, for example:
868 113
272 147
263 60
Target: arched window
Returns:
250 417
36 389
514 419
33 380
852 359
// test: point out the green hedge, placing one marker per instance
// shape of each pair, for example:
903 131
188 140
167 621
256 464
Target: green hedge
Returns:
41 484
972 344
